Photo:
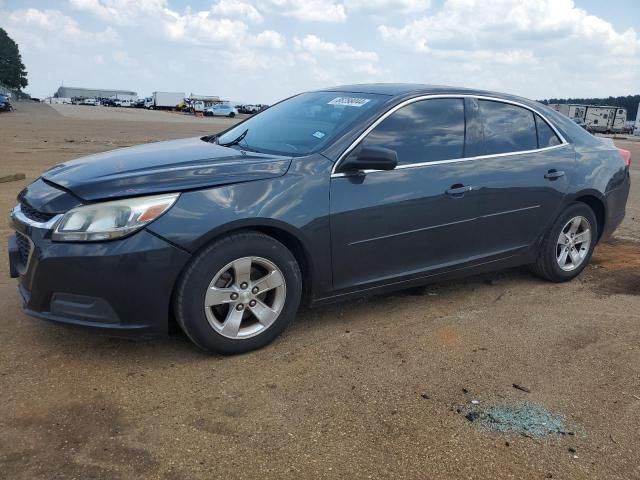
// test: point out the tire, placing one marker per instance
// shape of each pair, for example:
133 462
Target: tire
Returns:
213 328
231 115
548 263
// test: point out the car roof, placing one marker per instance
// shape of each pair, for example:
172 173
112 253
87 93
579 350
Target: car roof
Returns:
414 89
391 89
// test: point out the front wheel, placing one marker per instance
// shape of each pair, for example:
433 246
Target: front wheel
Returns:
568 246
239 293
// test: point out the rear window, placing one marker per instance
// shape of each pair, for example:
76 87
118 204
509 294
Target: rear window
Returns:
546 136
507 128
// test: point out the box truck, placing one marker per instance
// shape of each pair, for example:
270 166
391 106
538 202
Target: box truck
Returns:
163 100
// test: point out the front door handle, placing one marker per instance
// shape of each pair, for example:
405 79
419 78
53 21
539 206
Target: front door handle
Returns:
458 190
553 174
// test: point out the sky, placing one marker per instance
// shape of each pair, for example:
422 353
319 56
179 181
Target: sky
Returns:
260 51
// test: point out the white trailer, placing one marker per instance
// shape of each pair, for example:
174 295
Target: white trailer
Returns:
571 110
619 121
164 100
605 118
205 98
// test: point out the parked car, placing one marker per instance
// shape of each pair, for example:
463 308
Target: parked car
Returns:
221 111
88 101
329 195
251 109
5 104
247 109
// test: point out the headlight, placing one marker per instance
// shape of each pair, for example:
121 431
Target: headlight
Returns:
108 220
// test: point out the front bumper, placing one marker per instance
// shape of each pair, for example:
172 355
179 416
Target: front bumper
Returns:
119 286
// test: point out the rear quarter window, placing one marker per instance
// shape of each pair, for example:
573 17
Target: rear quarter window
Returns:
546 136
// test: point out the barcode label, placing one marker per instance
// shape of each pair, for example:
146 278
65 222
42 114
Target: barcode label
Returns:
349 101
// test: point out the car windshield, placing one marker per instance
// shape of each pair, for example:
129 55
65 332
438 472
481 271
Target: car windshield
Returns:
302 124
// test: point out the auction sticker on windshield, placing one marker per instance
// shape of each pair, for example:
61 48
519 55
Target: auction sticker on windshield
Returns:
349 101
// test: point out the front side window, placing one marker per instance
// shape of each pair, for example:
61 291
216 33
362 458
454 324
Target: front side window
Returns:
424 131
507 128
302 124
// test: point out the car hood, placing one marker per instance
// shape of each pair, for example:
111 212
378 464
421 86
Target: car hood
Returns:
170 166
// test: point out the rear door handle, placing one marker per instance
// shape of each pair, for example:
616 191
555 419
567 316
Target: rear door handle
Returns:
458 190
553 174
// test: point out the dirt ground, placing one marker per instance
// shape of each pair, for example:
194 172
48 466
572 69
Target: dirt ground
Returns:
376 388
120 114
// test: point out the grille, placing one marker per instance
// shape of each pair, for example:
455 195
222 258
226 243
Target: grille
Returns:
35 215
24 248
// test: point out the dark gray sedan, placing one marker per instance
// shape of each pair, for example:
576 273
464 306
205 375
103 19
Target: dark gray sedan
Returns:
327 195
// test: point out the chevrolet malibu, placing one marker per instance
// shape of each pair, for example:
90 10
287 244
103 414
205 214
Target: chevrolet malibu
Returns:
328 195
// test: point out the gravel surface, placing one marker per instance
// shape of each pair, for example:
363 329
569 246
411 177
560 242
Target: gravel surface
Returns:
376 388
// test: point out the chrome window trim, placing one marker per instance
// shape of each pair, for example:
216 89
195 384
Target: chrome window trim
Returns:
17 216
409 101
456 160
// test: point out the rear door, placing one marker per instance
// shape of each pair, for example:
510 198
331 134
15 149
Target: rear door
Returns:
523 170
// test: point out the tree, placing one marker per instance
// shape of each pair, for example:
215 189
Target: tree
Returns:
12 70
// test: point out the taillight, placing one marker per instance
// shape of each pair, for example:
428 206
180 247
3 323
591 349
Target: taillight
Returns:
626 156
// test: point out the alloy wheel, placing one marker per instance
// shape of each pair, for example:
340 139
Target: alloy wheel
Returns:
245 297
573 243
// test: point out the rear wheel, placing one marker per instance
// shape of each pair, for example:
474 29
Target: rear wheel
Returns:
568 246
239 294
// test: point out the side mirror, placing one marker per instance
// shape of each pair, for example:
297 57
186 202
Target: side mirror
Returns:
370 158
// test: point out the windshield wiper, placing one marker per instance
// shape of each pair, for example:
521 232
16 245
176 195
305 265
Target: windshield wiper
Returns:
236 141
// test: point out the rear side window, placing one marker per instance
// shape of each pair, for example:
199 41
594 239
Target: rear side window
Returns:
424 131
507 128
546 137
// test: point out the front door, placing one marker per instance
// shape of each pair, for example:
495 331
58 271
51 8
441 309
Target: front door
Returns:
415 219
